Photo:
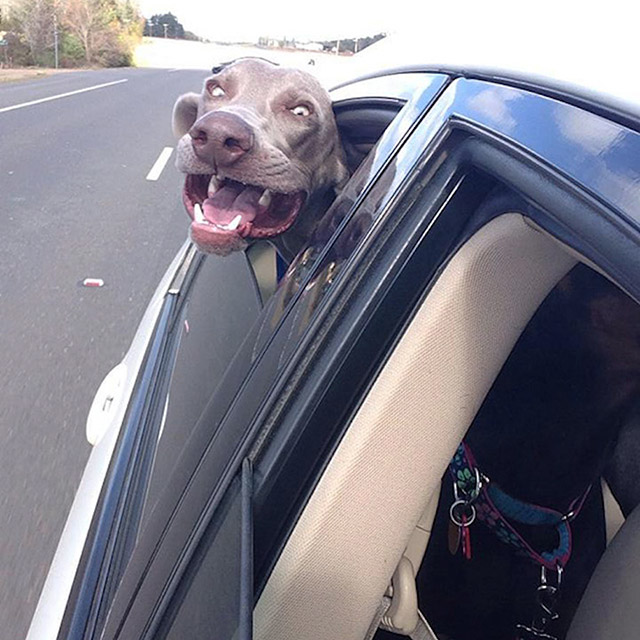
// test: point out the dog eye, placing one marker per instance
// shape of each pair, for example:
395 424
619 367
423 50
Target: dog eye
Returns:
217 91
301 110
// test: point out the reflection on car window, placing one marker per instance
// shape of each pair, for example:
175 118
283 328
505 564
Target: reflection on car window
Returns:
222 306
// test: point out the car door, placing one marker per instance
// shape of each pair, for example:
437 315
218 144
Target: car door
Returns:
195 340
249 505
398 353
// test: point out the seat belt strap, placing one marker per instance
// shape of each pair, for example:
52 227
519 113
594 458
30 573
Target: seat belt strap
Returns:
264 262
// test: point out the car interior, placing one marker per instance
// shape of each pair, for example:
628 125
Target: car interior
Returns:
351 562
361 125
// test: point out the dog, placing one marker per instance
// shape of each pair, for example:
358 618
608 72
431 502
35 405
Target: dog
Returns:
545 434
262 157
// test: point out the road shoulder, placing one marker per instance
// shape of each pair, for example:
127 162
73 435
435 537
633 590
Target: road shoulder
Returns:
29 73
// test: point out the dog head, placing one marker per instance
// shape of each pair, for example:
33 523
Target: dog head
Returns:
258 146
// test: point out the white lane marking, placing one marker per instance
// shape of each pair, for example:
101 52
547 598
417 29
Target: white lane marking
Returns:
160 163
62 95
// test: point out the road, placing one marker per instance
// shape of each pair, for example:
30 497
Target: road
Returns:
75 153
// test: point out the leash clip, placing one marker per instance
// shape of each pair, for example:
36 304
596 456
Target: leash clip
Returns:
546 599
547 595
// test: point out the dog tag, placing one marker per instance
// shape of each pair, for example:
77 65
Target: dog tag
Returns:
462 515
455 535
465 535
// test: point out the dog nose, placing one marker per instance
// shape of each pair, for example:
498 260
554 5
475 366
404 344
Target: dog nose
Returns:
222 138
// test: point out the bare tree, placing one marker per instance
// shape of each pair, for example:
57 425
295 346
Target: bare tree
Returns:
35 19
86 21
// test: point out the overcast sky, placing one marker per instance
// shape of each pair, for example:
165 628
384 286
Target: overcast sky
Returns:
607 30
302 19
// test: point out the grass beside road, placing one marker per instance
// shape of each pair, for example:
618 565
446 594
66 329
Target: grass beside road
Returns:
27 73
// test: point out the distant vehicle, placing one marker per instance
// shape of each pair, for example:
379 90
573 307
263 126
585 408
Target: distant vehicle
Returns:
258 463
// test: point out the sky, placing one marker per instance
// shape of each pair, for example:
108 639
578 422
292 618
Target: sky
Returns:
585 43
535 20
246 20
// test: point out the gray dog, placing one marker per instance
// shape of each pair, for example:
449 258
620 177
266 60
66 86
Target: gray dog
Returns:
262 155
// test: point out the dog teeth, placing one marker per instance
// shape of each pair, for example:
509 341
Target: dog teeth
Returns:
198 216
214 185
233 225
265 199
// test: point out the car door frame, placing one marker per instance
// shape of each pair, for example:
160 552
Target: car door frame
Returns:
81 593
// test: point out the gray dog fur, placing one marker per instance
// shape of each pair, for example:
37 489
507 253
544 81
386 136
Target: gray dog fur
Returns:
267 127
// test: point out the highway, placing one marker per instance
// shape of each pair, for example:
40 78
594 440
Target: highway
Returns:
78 199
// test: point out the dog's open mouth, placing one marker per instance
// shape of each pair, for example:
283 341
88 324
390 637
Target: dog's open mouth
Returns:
227 213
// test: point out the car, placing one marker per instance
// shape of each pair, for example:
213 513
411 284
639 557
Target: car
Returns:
271 448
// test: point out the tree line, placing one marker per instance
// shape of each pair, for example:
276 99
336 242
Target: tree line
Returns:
351 45
69 33
166 25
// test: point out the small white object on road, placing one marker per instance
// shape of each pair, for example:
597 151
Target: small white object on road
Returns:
93 282
62 95
160 164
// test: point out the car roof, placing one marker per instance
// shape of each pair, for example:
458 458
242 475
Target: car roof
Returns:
591 56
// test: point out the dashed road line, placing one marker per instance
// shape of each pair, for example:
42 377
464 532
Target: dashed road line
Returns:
160 164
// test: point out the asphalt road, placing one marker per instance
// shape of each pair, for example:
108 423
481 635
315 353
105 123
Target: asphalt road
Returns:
75 202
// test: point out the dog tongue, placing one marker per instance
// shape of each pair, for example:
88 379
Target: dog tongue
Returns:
230 201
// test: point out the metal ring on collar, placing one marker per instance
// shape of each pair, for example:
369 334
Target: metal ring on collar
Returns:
456 519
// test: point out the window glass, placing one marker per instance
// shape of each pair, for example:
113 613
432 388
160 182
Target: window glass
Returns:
221 308
208 603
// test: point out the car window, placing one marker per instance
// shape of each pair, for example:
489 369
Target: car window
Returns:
223 304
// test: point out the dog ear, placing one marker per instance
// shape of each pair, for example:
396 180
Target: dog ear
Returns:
185 113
